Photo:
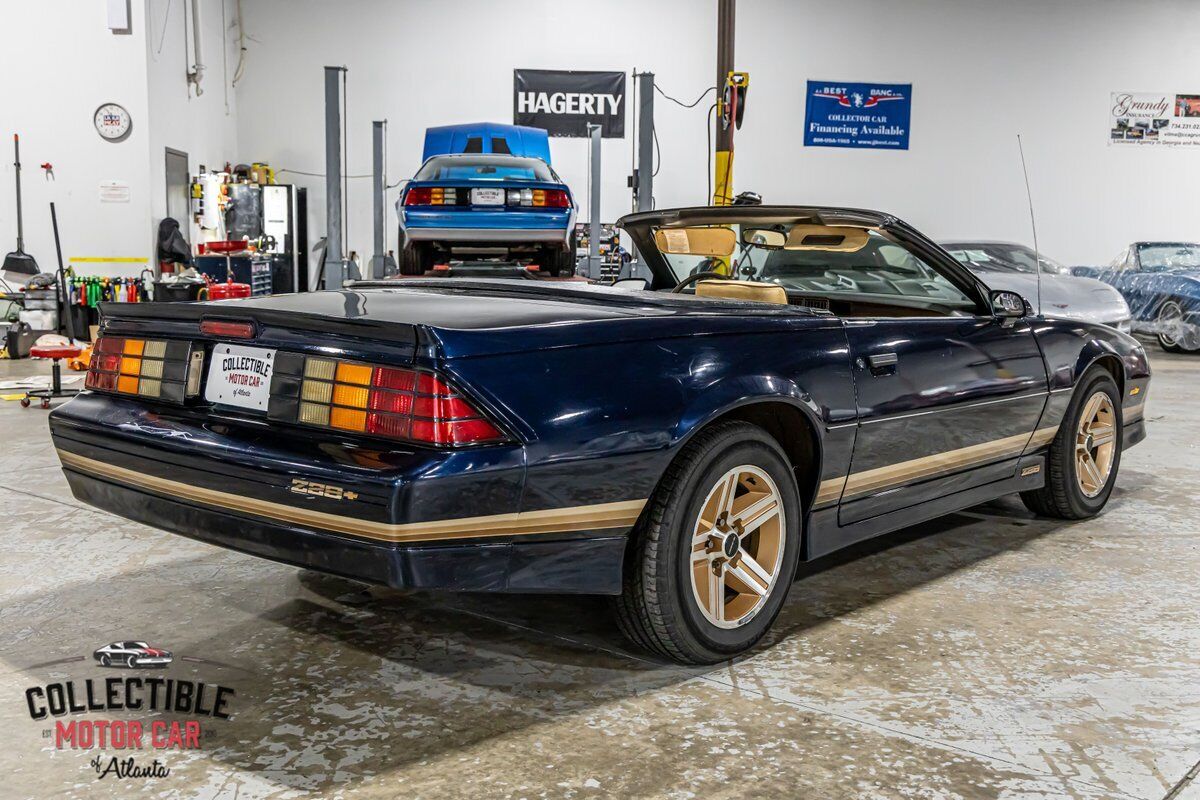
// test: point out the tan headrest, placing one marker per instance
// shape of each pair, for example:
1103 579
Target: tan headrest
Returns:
830 238
743 290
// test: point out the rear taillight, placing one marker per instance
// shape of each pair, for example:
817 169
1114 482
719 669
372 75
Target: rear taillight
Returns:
431 196
537 198
396 403
550 198
155 368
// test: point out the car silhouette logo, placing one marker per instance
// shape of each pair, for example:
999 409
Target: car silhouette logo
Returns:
132 655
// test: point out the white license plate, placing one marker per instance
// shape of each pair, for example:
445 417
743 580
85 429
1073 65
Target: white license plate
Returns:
487 197
240 376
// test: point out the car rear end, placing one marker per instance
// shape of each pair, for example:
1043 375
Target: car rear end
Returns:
326 440
486 205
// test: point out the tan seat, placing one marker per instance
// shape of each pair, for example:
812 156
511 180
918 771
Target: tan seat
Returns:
743 290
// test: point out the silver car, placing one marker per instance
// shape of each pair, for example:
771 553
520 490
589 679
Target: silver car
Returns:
1011 266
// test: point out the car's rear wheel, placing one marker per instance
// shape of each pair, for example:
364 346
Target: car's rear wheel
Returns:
105 661
1175 334
1082 464
557 261
714 554
416 258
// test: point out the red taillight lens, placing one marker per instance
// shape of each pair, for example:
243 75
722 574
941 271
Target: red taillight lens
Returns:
419 196
152 368
227 328
550 198
388 401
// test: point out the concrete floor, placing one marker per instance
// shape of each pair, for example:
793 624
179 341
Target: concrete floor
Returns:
987 655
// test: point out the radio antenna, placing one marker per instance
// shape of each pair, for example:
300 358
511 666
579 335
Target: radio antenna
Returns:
1037 253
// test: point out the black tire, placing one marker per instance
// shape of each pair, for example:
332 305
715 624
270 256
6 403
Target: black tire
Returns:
657 609
1061 496
1168 310
131 662
105 661
557 262
415 259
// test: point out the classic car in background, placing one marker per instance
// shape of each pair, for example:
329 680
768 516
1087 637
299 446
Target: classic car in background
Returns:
1161 283
1012 266
682 447
486 190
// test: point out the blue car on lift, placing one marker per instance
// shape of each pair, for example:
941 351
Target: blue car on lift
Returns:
486 191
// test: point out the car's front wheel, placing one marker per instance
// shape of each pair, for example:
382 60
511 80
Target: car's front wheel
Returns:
713 557
1082 464
1175 334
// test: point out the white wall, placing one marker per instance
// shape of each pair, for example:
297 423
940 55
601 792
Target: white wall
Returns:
59 63
204 126
982 72
421 64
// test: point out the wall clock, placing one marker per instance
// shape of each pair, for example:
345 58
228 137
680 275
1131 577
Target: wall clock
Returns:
113 122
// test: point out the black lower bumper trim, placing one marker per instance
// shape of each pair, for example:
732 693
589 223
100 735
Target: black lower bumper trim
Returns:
579 565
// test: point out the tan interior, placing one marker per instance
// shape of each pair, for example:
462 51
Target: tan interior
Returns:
696 241
743 290
831 238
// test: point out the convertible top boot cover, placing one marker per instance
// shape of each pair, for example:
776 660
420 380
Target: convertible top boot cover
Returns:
743 290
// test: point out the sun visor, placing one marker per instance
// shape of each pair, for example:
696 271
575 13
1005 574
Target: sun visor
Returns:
829 238
696 241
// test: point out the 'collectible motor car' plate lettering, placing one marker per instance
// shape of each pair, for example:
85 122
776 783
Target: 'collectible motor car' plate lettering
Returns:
240 376
487 197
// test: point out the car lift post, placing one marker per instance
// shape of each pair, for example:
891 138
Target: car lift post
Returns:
335 264
644 185
382 265
723 144
594 203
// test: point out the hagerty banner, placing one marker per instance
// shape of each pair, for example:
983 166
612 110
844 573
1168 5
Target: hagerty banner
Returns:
1154 118
565 101
872 115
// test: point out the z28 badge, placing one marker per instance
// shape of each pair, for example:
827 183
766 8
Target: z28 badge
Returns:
302 486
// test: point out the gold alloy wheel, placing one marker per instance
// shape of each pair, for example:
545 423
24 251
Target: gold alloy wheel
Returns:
737 546
1095 444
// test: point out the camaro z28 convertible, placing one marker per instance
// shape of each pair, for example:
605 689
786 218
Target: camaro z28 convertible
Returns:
792 381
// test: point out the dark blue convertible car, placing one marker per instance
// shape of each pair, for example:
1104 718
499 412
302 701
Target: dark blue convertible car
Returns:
792 381
1161 283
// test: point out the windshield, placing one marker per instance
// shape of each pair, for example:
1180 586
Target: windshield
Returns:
1169 255
485 168
1002 257
807 258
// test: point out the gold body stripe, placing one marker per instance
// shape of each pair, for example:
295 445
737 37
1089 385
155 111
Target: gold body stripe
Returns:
555 520
873 480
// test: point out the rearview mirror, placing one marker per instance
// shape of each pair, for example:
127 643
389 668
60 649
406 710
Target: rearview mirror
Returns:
695 241
1008 305
764 238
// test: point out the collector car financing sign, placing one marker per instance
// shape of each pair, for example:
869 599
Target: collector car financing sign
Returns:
871 115
1154 118
565 101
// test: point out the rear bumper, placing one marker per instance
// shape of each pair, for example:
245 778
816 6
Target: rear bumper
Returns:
572 566
402 517
477 227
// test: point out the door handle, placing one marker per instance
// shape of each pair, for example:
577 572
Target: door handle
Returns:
881 363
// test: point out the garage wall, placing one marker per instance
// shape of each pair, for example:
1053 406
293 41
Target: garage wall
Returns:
69 64
982 72
422 64
204 126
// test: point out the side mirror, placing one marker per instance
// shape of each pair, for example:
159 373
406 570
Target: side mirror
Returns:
1008 305
631 284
